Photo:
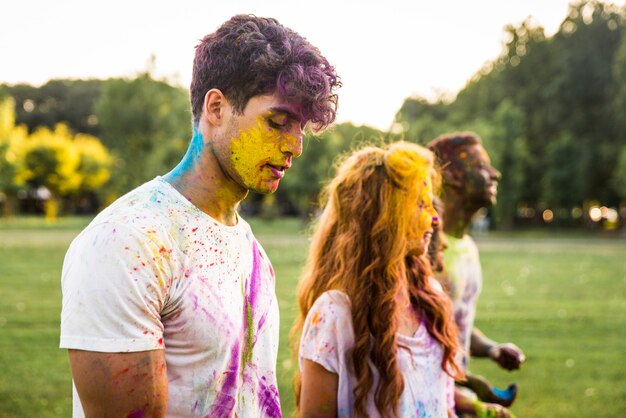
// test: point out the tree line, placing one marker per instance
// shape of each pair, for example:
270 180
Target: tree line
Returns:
551 112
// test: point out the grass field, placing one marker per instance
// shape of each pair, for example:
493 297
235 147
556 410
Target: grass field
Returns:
563 300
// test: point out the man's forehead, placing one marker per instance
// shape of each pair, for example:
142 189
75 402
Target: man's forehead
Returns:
471 152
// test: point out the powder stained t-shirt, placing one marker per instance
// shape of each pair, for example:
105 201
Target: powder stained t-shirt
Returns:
153 272
462 266
328 340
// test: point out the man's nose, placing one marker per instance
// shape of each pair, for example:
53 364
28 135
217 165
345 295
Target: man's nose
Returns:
292 142
495 174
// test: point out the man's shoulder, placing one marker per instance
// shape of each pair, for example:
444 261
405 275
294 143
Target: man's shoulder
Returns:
151 202
148 209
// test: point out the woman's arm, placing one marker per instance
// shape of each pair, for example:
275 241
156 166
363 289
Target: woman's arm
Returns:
318 396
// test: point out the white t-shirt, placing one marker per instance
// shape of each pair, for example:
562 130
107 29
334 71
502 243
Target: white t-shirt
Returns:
153 272
328 339
462 265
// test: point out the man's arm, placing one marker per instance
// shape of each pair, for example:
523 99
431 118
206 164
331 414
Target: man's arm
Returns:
318 395
130 385
473 407
507 355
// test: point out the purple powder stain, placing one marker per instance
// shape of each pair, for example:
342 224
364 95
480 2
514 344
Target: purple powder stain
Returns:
255 286
197 306
225 400
268 396
269 400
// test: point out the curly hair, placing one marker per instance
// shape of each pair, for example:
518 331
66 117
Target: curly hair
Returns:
249 56
448 147
376 212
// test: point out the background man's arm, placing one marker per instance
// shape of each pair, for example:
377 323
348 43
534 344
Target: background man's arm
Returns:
120 384
507 355
473 407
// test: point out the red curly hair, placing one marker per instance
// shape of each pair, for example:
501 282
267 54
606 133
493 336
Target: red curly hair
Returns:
368 244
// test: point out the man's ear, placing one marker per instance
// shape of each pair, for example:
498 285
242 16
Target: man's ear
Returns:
215 105
453 178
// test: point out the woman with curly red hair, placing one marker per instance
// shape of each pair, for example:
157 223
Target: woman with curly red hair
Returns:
375 335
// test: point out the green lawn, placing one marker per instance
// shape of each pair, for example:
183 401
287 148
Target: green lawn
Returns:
562 300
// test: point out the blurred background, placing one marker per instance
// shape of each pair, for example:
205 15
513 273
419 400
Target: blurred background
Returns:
550 104
94 101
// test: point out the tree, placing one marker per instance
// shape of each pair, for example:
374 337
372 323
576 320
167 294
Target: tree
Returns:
68 101
507 147
94 165
421 120
146 124
618 181
566 101
50 159
53 159
563 180
301 187
11 137
619 103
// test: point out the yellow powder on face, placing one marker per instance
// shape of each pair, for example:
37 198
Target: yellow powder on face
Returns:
254 148
427 210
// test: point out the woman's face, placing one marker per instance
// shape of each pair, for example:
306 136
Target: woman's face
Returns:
427 219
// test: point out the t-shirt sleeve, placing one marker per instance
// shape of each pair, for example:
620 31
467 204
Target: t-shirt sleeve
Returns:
327 334
115 281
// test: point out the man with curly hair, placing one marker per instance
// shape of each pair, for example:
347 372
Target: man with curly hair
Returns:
168 299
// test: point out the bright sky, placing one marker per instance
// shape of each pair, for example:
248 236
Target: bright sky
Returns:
384 51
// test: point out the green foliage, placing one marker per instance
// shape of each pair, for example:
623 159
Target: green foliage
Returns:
508 151
552 110
619 74
10 136
48 158
563 179
420 121
95 163
301 186
146 123
63 163
619 176
68 101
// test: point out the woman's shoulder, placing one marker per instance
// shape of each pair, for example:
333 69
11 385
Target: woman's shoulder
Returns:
335 300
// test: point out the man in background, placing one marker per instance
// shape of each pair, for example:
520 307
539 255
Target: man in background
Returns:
470 184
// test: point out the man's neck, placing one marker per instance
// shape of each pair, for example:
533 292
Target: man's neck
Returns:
457 216
202 181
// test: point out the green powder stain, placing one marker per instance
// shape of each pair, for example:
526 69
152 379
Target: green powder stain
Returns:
250 334
247 355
